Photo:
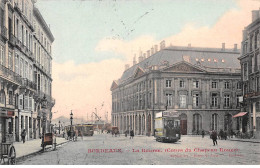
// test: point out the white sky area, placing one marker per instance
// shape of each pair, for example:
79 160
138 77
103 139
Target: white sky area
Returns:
95 39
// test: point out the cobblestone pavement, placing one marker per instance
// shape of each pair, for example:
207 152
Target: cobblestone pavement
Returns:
146 151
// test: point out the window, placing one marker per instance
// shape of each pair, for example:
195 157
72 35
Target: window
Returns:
17 64
197 123
238 104
21 68
10 60
10 95
2 55
182 101
245 71
2 97
30 103
239 85
168 99
26 70
26 102
21 102
195 84
227 85
168 83
214 100
226 100
182 84
214 85
214 122
196 100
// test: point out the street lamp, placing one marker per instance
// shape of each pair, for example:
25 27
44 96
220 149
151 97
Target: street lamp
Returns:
71 119
44 107
59 127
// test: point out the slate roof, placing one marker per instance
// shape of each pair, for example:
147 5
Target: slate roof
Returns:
174 54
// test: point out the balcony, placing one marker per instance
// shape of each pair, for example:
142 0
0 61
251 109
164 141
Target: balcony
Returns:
28 84
4 32
10 75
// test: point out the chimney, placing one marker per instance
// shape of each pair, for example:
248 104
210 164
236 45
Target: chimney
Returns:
140 59
223 46
134 60
127 66
162 45
255 15
144 55
235 47
152 51
189 45
155 48
148 53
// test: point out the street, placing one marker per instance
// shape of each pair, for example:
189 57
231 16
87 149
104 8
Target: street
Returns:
103 149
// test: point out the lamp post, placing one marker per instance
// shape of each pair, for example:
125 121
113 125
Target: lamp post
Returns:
71 119
59 127
44 107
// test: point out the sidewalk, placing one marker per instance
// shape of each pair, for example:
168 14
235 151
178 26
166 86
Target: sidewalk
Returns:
32 147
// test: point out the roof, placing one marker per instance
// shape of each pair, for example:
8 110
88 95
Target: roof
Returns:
210 59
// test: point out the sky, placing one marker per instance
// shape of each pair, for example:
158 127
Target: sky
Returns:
94 39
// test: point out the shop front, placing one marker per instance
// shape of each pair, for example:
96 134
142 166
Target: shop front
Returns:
6 125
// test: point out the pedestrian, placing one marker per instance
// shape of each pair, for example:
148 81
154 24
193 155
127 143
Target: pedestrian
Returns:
214 137
225 135
23 134
126 133
202 133
132 134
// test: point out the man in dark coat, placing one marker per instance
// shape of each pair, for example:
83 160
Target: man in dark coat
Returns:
131 134
23 134
214 137
202 133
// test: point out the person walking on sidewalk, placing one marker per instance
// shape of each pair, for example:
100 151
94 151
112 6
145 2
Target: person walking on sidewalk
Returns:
132 134
202 133
23 134
214 137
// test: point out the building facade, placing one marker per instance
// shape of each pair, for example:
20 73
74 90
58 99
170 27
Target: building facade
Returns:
202 84
250 66
25 74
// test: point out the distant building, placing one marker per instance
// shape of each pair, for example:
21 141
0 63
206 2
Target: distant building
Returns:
25 70
250 66
202 84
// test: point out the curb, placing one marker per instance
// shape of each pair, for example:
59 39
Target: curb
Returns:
18 159
244 141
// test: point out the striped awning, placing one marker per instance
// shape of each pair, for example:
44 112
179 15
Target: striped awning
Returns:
240 114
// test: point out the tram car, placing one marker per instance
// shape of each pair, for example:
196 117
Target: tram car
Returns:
86 129
167 126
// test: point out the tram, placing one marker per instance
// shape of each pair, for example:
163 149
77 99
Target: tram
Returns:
167 126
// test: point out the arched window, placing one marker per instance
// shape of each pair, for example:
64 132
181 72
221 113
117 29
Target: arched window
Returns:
197 122
228 122
214 121
2 97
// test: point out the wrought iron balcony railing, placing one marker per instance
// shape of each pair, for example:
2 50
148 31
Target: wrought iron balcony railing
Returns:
9 74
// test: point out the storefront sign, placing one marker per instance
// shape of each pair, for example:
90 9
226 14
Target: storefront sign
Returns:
170 114
4 113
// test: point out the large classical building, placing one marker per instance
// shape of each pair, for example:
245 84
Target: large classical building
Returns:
202 84
250 66
25 71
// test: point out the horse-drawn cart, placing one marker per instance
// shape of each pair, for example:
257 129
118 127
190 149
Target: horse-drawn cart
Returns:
7 152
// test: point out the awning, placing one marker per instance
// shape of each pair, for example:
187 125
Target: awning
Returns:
241 114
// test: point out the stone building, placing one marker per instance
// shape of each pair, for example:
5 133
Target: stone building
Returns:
250 66
202 84
25 73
